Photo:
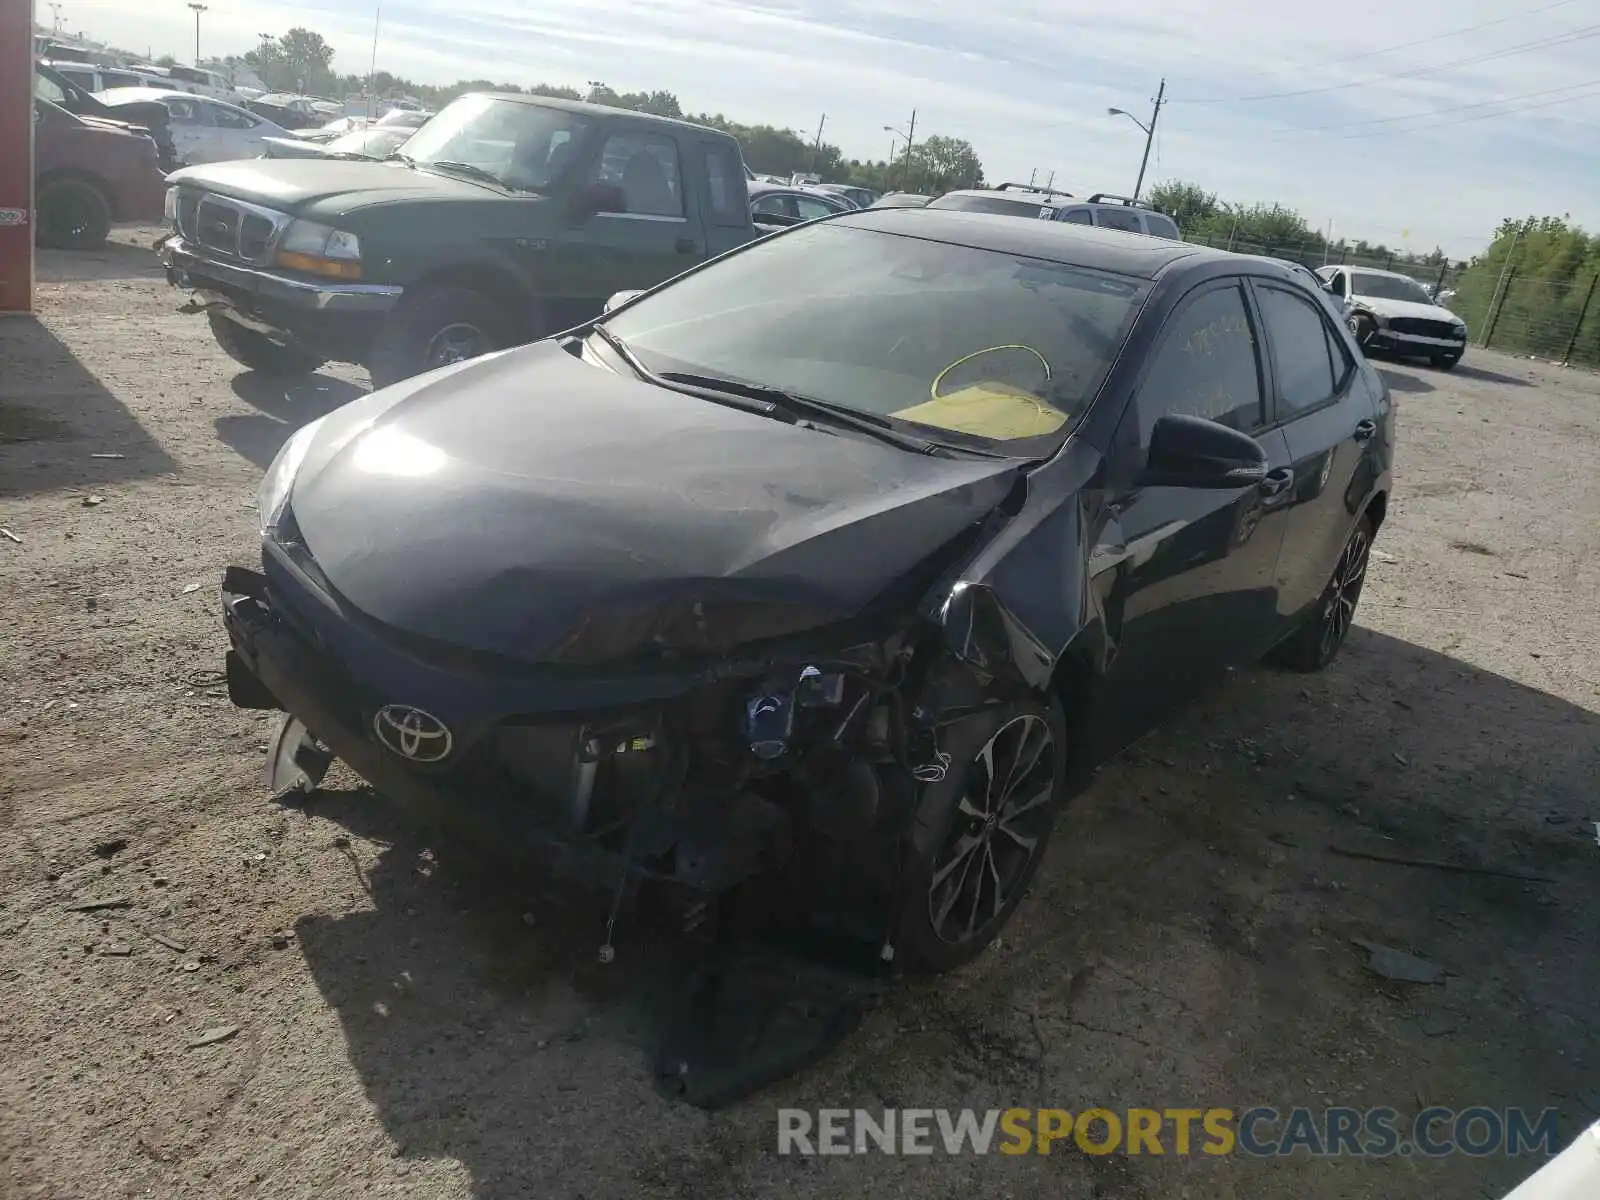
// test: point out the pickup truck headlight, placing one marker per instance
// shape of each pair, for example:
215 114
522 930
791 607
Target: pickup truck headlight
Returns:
279 479
320 250
1461 329
169 209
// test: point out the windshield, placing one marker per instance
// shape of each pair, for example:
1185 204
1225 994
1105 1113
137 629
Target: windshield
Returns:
523 145
992 348
1004 205
1389 287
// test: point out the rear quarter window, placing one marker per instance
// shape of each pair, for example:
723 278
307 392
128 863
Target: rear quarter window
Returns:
1119 218
1161 226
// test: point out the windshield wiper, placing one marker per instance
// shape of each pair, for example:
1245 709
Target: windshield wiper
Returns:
471 169
686 387
817 410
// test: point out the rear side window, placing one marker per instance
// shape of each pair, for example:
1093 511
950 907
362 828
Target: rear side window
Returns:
182 111
1161 226
727 188
1120 218
113 79
1300 350
1077 216
228 118
1205 366
810 208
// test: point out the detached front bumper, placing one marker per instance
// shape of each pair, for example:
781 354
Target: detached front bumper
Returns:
336 318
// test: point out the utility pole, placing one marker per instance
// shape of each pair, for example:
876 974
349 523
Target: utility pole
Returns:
55 10
1149 132
816 147
198 9
1505 269
911 137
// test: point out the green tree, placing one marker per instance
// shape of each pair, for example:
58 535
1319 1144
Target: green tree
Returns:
299 61
1188 204
166 60
942 164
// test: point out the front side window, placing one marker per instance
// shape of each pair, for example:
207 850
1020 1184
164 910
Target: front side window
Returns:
645 167
47 89
810 208
524 146
1206 366
1300 353
977 346
775 204
1338 287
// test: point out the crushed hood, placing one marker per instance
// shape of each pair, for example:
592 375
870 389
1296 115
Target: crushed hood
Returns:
530 502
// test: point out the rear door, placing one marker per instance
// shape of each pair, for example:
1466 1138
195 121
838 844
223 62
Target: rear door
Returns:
237 133
1328 415
1186 576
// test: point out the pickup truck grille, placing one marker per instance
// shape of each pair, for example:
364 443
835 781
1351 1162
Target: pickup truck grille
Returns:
231 228
1423 327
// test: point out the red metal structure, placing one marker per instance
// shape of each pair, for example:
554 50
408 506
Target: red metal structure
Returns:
16 156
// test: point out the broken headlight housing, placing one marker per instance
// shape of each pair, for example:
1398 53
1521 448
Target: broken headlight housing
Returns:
320 250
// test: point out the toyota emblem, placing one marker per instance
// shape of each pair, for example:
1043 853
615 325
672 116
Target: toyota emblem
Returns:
412 733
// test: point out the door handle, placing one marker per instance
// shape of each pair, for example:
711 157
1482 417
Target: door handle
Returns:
1277 482
686 245
1365 430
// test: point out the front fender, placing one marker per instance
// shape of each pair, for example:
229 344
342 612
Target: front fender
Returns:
1024 596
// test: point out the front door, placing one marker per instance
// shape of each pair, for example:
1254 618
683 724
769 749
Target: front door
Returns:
191 135
725 206
1329 417
1186 576
653 240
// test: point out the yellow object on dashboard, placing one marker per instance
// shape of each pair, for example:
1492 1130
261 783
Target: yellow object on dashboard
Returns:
988 409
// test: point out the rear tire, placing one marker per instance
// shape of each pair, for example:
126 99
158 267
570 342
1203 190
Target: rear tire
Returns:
1323 632
259 352
73 214
435 327
981 832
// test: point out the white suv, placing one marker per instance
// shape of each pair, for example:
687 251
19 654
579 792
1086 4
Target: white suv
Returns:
1102 208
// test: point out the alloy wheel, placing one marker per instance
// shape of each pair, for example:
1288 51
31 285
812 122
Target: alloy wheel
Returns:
1000 822
1344 589
455 343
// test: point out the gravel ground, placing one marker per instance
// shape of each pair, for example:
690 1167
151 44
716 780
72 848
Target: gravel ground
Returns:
410 1023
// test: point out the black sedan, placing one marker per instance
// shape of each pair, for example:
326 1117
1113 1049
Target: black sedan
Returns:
780 205
822 575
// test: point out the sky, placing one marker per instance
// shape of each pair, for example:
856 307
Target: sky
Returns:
1417 123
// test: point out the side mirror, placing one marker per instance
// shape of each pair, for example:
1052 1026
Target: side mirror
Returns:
595 198
618 299
1192 452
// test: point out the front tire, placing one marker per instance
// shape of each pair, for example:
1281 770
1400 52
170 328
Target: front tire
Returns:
435 327
1318 640
257 351
73 214
981 832
1363 327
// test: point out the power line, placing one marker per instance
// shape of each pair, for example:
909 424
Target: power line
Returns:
1439 37
1438 112
1510 112
1576 35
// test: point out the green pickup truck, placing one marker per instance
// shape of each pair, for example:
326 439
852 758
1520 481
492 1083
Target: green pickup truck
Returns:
504 219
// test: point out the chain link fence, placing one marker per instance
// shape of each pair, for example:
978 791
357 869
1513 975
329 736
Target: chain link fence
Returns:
1547 318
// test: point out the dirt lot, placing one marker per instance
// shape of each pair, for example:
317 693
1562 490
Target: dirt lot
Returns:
409 1024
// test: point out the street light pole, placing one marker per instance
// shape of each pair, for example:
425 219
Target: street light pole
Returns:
1149 132
198 9
906 174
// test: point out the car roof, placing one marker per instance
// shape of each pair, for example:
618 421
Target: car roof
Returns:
757 188
1380 271
127 95
597 110
1055 241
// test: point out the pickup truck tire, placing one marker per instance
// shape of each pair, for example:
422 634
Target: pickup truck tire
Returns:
259 352
434 327
74 214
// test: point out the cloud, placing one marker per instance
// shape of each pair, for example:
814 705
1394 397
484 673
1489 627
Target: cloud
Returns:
1028 82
